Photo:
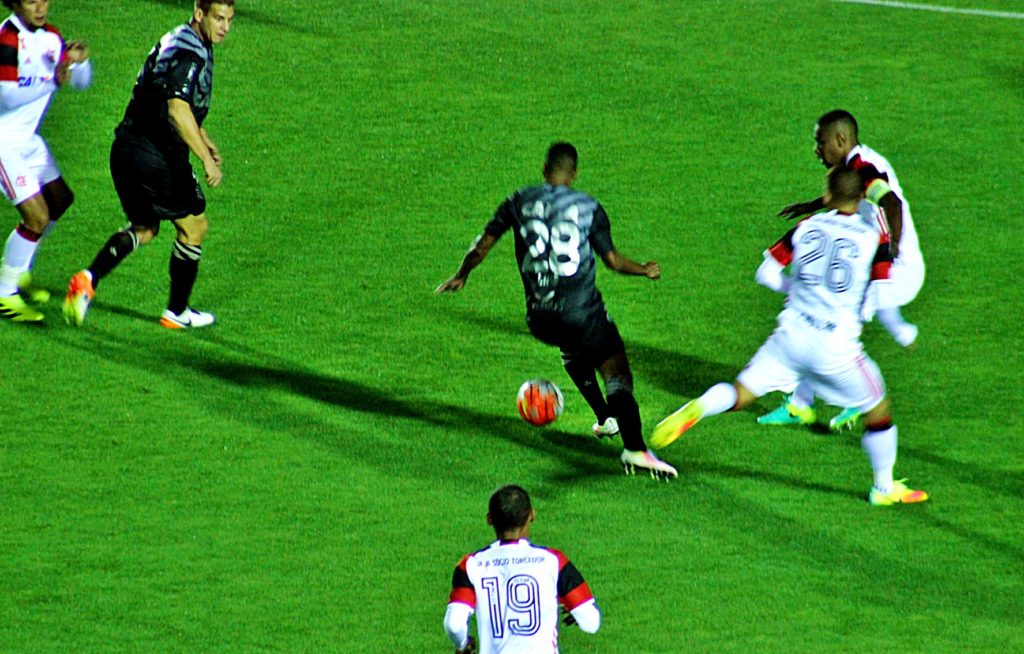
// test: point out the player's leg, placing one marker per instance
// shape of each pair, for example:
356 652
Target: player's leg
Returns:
580 369
136 176
184 268
770 369
19 249
57 196
905 281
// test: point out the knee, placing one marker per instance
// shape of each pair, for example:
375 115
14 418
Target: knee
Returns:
144 234
195 232
879 416
619 384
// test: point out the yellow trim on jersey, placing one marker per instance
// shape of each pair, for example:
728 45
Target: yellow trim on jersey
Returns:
877 190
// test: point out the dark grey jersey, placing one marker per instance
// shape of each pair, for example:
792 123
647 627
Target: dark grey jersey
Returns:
557 231
179 66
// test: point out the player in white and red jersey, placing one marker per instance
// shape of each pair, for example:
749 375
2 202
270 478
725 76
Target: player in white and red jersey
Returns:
837 144
515 587
833 257
34 62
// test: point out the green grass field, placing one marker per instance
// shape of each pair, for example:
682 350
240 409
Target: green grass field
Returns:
304 475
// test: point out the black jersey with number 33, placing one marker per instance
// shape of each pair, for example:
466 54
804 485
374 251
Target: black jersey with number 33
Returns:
557 231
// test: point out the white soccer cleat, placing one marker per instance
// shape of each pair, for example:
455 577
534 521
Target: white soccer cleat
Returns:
646 460
187 319
606 429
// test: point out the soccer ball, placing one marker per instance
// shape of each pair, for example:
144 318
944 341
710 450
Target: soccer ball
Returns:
539 402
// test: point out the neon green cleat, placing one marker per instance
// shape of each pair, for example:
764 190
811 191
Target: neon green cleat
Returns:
847 419
31 292
13 308
900 494
789 414
672 427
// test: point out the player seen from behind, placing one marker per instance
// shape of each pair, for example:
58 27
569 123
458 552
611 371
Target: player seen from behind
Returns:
515 587
34 62
818 333
557 231
149 163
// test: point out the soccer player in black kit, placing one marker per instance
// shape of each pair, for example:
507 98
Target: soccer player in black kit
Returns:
557 230
149 163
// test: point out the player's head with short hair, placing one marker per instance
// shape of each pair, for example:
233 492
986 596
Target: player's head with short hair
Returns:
561 161
32 15
509 509
212 19
834 136
843 187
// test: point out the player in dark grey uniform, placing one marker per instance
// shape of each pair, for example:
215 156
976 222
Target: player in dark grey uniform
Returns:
557 231
149 163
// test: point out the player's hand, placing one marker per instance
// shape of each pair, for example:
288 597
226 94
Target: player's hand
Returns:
652 270
453 285
76 51
470 647
796 210
214 176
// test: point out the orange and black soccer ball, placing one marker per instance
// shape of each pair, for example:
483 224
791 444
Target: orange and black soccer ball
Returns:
539 402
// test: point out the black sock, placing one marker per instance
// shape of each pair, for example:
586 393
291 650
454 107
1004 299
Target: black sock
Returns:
118 246
184 269
582 374
625 409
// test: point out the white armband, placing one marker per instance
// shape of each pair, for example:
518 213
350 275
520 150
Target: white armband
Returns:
81 74
456 623
770 274
587 616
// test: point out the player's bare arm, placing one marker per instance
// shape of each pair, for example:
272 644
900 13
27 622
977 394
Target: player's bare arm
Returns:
214 152
185 124
477 253
799 209
626 266
893 208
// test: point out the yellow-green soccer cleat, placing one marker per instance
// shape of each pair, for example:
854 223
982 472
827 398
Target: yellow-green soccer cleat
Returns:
789 414
672 427
13 308
31 292
900 494
80 294
846 419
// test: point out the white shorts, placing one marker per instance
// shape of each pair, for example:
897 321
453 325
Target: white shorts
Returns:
906 279
842 376
25 168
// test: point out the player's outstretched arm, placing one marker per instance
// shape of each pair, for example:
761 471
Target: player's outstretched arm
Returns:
626 266
477 253
802 208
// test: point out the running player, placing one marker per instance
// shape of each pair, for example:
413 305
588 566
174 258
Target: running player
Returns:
149 163
34 62
557 230
837 144
834 257
515 587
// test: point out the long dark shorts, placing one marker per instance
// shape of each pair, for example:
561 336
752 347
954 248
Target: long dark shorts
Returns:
593 335
152 185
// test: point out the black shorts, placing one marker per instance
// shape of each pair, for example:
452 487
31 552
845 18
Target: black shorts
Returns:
152 185
592 335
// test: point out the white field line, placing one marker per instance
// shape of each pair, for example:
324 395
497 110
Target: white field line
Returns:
945 10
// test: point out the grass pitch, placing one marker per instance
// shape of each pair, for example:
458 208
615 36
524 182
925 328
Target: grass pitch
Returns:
304 475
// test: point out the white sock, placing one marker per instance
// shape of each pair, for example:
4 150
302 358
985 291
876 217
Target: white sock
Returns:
718 399
18 253
881 449
901 330
803 396
50 226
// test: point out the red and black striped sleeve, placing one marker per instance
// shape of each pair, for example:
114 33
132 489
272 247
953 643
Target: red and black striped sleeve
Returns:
462 588
8 53
572 588
782 250
882 262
